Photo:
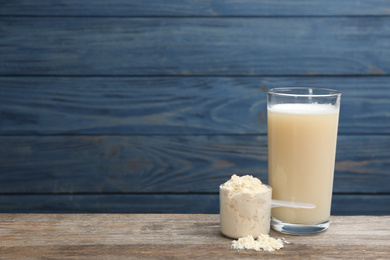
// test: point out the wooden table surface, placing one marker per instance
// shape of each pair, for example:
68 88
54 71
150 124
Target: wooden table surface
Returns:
161 236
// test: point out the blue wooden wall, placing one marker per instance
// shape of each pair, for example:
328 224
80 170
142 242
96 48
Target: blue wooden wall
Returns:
148 106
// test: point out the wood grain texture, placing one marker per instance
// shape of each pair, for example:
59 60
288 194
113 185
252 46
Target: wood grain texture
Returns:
214 8
174 164
194 46
174 105
102 236
186 203
111 106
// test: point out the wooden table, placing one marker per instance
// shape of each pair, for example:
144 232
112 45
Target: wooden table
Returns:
151 236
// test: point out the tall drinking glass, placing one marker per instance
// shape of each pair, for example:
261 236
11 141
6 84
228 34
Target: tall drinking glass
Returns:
302 137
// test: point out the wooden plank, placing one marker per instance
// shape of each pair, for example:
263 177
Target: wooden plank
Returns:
189 46
348 205
110 203
172 236
342 204
174 105
193 8
168 164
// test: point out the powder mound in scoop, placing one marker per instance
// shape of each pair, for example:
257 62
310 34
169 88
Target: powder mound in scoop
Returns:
245 183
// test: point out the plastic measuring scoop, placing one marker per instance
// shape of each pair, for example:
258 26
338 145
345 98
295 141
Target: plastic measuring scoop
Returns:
291 204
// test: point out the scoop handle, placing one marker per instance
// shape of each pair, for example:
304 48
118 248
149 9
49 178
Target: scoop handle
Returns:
291 204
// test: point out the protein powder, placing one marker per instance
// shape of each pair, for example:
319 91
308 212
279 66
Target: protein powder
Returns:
262 243
245 207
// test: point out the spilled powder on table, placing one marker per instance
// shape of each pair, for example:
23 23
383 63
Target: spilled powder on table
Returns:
263 243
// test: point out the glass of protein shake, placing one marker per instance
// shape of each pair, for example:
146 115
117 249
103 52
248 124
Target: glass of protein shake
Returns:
302 136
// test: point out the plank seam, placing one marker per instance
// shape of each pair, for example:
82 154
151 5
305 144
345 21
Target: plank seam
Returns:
196 16
162 134
194 76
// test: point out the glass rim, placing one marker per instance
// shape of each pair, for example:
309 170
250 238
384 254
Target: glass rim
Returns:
284 92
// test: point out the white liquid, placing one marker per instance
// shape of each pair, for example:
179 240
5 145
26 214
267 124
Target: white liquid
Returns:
301 157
